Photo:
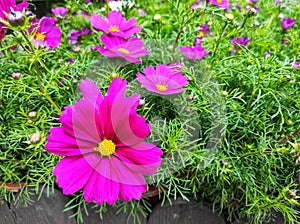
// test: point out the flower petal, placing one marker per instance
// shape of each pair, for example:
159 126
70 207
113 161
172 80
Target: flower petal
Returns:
72 173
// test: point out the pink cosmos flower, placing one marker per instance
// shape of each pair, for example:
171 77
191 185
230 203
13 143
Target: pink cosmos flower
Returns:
47 34
164 80
130 49
60 11
193 53
115 24
6 7
102 141
224 4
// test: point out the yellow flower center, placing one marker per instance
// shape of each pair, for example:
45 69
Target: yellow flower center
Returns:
106 148
201 34
219 1
40 36
123 50
114 29
161 87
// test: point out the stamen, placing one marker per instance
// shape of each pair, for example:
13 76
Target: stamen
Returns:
106 148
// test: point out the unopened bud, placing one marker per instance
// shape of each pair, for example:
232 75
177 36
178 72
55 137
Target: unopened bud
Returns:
190 97
157 17
35 138
142 102
292 194
32 114
16 18
229 16
16 75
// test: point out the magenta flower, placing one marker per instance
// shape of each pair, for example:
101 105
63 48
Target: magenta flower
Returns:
74 35
164 80
115 24
288 23
47 34
130 49
60 11
6 7
224 4
193 53
102 141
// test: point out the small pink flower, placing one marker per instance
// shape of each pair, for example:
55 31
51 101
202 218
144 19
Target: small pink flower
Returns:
224 4
47 34
162 80
130 49
60 11
115 24
102 141
193 53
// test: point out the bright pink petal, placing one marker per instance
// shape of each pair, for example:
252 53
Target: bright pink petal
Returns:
72 173
143 158
99 23
85 122
117 86
91 92
129 192
101 189
63 144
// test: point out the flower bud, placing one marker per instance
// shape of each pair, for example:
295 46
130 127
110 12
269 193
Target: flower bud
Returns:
157 17
16 18
32 114
190 97
229 16
35 138
292 194
16 75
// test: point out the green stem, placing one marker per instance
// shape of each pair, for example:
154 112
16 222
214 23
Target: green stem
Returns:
175 42
42 89
28 41
38 74
244 22
107 6
251 99
253 153
217 44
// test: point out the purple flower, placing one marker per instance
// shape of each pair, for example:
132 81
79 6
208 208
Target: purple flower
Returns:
74 35
224 4
115 24
193 53
102 141
163 80
241 41
130 49
60 11
288 23
47 34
